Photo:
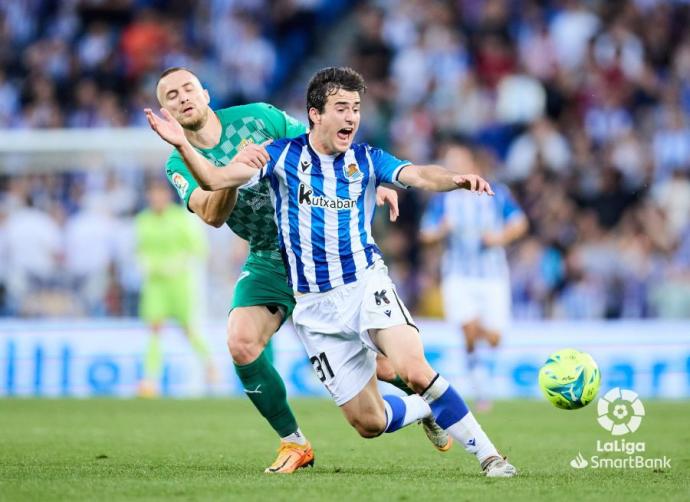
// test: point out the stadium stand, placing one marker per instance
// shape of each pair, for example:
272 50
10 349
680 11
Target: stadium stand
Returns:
584 105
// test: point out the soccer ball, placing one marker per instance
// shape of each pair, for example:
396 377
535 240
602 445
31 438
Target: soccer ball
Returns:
570 379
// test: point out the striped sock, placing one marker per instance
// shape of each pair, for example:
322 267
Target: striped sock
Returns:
402 411
452 414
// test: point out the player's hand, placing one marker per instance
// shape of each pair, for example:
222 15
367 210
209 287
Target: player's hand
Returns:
390 196
473 183
166 127
253 155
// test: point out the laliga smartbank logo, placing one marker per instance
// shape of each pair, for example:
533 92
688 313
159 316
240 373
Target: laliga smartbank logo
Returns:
620 412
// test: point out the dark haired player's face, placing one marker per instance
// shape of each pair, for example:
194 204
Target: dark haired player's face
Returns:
336 127
183 96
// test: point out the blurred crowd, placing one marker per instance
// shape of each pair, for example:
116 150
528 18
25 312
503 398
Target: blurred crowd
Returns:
584 107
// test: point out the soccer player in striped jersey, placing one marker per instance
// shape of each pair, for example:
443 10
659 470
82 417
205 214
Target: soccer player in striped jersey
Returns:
262 299
474 270
323 189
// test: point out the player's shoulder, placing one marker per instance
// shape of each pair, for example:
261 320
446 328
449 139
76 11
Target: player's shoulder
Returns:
257 110
364 147
174 162
279 145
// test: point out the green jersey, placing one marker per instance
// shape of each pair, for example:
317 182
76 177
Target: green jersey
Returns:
252 218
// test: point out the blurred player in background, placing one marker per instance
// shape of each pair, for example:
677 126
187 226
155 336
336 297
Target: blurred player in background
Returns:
262 300
474 231
170 248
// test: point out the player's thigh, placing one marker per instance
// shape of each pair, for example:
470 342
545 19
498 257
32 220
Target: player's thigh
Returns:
460 300
366 411
403 346
495 306
252 325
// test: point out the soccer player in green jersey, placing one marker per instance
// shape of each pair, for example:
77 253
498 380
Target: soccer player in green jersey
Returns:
262 300
170 246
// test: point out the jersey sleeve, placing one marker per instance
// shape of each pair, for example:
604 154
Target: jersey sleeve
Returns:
387 167
179 176
279 123
434 214
508 206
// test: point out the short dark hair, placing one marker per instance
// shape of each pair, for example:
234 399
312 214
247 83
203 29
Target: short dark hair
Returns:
174 69
330 80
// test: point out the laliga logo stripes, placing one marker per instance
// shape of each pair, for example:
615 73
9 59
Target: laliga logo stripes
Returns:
620 411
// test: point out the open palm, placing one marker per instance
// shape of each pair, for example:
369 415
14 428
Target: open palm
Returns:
166 126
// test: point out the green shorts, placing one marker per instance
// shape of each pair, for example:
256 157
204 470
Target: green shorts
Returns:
263 281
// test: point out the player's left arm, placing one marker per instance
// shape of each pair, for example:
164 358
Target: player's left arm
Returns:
435 178
233 175
390 169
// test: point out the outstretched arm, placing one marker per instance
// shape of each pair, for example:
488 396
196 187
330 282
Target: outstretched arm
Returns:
214 208
439 179
209 177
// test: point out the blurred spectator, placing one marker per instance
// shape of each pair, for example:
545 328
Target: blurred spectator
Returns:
88 252
586 104
34 251
541 147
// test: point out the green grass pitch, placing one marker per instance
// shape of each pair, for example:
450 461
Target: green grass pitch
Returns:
217 449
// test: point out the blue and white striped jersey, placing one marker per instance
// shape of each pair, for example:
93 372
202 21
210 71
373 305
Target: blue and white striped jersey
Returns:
324 206
470 216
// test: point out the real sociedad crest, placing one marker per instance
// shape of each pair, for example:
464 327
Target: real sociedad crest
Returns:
352 172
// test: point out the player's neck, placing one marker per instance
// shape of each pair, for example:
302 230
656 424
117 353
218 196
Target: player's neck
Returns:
209 134
319 147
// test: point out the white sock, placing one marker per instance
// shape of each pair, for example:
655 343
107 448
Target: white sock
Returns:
402 411
474 439
295 437
452 414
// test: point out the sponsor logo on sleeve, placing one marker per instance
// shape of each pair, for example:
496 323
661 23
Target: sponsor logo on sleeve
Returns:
181 184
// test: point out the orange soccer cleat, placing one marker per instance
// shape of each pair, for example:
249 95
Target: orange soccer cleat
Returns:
291 456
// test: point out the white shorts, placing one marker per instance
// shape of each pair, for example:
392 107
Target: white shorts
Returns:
334 329
467 299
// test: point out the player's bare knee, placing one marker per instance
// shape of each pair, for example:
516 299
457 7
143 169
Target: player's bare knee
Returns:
243 346
369 427
418 374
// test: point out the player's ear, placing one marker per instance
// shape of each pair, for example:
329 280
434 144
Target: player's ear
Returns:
314 115
207 97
